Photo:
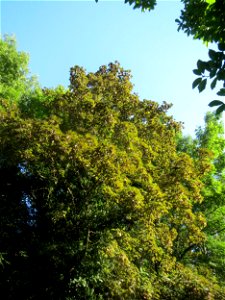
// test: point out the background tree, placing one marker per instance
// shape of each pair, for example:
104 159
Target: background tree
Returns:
15 80
211 139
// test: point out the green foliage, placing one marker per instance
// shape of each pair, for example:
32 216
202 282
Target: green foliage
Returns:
205 20
14 80
213 69
96 201
143 4
211 139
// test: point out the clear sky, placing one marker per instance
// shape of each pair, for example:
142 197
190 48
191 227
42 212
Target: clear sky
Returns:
61 34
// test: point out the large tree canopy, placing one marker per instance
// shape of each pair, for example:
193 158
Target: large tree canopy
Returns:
97 201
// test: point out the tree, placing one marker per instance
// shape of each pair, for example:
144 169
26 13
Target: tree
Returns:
14 81
96 201
211 139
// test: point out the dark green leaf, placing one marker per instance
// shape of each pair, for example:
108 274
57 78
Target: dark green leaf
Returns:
221 46
207 66
196 82
212 72
197 72
213 84
220 109
215 103
221 75
202 85
201 65
221 92
212 54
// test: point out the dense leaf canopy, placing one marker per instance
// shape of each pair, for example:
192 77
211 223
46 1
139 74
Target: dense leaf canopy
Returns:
97 201
211 138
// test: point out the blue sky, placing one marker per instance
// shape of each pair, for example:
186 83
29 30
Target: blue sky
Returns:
60 34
